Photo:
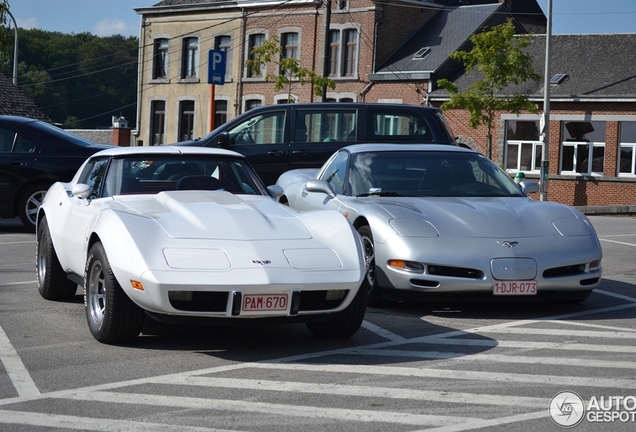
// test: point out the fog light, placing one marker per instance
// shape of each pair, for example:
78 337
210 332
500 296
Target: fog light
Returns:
409 266
336 294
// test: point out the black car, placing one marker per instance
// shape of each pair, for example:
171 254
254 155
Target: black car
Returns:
277 138
34 155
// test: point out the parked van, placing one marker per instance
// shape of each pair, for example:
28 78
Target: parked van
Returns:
278 138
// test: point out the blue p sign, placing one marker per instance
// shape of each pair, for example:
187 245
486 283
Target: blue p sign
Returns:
216 67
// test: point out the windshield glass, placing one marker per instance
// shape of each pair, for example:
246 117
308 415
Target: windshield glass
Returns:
147 174
428 173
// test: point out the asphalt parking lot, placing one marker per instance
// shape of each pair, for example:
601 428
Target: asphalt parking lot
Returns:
410 368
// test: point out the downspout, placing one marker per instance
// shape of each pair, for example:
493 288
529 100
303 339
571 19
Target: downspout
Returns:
365 90
140 75
313 62
238 107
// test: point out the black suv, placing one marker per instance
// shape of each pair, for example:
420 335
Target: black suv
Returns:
278 138
33 156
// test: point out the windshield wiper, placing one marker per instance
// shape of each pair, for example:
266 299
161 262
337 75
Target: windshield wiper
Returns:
381 193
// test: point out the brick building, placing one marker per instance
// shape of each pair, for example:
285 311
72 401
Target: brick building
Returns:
394 51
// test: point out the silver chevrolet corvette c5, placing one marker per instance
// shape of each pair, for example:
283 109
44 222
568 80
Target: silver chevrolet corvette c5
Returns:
440 221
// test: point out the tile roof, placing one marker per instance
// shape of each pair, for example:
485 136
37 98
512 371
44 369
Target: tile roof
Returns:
14 102
598 66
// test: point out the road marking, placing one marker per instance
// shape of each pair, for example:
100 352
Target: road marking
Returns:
19 283
617 242
357 391
17 372
287 410
611 294
94 424
382 332
479 424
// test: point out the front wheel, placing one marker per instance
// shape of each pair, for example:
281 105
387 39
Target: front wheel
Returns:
370 284
112 316
345 323
52 281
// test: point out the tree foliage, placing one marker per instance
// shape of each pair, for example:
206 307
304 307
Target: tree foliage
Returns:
289 72
82 76
500 58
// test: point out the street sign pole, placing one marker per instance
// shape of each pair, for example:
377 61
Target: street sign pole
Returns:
216 76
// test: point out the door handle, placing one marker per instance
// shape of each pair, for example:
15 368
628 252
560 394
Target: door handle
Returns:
300 152
275 153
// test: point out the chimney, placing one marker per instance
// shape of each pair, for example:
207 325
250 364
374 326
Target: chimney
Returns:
121 132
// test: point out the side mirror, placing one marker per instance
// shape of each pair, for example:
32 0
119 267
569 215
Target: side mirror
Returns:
81 190
320 186
225 140
276 191
529 186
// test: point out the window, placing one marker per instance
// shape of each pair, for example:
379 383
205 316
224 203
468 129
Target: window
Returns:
583 148
190 58
160 59
255 41
252 103
157 122
220 112
325 125
343 59
186 120
267 128
289 42
627 157
93 176
6 140
523 148
395 126
335 173
224 43
342 5
350 52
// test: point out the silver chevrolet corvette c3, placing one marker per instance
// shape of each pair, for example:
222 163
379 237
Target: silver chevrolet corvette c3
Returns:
446 222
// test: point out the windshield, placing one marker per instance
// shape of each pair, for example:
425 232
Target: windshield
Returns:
428 173
147 174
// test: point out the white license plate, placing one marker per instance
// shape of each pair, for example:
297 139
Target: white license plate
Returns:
264 303
515 287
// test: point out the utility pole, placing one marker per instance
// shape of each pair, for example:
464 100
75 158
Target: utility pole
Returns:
545 119
325 65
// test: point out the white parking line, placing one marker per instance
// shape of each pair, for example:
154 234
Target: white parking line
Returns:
17 372
617 242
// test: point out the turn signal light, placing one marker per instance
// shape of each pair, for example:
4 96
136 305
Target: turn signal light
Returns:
137 285
410 266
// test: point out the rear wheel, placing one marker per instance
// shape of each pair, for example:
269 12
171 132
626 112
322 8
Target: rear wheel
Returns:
370 284
29 203
52 281
345 323
112 316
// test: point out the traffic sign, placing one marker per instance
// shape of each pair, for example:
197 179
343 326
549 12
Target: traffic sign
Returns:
216 67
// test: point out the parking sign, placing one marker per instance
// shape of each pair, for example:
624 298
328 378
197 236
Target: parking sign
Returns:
216 67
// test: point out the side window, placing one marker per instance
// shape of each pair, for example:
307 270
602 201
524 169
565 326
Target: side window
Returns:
336 171
23 146
398 126
268 128
324 125
6 140
93 175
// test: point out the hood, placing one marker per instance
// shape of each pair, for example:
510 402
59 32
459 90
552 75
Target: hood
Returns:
217 215
490 217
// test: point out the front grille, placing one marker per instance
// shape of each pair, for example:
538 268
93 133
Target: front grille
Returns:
570 270
317 300
202 301
458 272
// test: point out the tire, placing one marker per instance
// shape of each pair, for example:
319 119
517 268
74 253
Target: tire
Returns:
52 281
29 203
345 323
111 315
370 284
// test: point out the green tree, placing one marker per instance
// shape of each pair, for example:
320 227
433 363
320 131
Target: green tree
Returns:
4 6
500 57
289 70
